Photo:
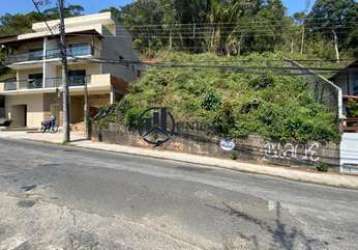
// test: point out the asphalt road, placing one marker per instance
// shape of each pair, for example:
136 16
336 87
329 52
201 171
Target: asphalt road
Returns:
61 197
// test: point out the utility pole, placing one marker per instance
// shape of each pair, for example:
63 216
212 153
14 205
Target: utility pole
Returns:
66 98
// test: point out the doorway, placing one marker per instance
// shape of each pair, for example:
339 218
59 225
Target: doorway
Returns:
19 116
2 107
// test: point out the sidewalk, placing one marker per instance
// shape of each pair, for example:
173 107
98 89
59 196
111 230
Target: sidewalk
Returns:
331 179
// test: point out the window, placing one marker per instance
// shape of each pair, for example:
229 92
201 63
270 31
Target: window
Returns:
355 83
80 49
35 81
77 77
35 54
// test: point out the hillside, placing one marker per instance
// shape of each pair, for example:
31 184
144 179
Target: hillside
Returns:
230 103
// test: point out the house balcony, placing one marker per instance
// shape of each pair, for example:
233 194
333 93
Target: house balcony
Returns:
32 58
98 82
49 83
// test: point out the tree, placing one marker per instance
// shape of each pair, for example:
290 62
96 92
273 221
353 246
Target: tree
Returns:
21 23
70 11
18 23
335 18
299 18
267 32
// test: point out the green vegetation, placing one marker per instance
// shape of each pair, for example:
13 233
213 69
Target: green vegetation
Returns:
238 27
212 33
233 27
352 108
21 23
231 103
322 167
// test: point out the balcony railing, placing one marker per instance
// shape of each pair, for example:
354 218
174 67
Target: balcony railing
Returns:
75 51
49 83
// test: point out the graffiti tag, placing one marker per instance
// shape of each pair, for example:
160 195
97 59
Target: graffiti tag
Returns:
290 151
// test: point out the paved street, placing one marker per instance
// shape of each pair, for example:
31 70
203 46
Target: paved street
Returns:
61 197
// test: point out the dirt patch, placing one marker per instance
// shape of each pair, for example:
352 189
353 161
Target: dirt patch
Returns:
26 203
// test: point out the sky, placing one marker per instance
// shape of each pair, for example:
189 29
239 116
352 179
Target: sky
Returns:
93 6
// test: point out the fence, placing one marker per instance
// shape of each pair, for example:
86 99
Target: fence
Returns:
73 51
322 90
49 83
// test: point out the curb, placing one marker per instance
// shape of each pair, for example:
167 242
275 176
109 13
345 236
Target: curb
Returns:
327 179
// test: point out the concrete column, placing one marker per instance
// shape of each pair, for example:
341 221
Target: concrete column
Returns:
18 79
112 95
44 63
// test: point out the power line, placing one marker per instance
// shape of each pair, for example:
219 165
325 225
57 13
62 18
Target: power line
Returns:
197 37
248 69
222 32
199 26
209 24
45 21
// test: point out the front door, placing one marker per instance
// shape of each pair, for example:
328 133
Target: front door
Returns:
19 116
2 106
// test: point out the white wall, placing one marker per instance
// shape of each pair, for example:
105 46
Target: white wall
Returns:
35 106
349 153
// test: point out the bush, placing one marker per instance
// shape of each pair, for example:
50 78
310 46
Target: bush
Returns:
211 101
352 107
322 167
233 104
132 116
234 156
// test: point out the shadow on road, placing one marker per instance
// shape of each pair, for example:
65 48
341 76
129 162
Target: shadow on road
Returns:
283 236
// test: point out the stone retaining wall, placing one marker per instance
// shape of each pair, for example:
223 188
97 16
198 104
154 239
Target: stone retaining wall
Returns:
253 148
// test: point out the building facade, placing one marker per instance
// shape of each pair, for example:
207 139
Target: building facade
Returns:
94 44
347 79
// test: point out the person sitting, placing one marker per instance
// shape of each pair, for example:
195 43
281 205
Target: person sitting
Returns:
49 124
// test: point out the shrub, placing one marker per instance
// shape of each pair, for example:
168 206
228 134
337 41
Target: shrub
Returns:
211 101
234 156
352 107
234 104
322 167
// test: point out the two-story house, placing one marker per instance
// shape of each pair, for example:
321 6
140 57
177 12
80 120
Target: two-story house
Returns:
94 42
347 80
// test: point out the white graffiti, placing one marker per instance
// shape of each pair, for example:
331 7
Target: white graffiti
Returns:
290 151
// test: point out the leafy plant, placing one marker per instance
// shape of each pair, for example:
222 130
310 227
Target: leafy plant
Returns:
234 156
211 101
322 167
352 107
